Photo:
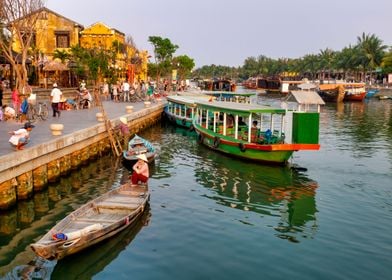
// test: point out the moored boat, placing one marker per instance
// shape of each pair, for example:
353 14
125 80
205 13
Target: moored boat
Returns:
239 97
137 146
94 222
355 92
255 132
338 92
180 110
218 85
371 92
270 84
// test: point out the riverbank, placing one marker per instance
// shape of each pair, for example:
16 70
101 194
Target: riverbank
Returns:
47 157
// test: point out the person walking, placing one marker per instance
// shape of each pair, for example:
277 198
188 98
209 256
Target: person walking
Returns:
125 89
15 99
55 96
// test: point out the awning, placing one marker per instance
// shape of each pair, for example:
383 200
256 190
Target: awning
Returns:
305 97
55 66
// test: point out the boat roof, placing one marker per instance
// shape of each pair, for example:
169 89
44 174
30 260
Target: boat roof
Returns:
238 108
219 93
308 97
332 86
187 99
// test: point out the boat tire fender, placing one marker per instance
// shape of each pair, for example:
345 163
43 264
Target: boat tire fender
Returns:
183 121
242 147
216 142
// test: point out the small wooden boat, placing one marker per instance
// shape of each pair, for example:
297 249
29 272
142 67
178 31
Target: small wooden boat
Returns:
137 146
94 222
255 132
371 92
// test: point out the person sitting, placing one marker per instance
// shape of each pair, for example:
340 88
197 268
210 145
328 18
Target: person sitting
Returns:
8 112
21 136
241 122
140 170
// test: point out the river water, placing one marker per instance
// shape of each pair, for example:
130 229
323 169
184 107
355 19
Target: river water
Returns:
213 217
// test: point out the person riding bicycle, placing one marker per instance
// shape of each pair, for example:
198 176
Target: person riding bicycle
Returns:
85 99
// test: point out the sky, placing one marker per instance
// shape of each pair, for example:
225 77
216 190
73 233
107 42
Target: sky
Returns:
226 32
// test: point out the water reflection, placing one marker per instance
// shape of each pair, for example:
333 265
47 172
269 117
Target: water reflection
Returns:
362 127
279 192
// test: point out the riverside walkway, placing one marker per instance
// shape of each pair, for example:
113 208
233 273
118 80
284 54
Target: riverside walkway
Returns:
73 120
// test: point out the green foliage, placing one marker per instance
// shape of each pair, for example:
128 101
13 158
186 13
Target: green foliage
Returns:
387 62
163 52
366 55
62 55
184 65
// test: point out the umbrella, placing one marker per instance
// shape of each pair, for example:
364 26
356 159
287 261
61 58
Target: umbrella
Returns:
55 66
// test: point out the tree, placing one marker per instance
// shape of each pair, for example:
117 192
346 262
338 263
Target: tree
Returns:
18 19
163 54
326 59
184 65
372 50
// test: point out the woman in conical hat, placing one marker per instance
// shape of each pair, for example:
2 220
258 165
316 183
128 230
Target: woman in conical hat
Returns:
140 170
142 157
123 120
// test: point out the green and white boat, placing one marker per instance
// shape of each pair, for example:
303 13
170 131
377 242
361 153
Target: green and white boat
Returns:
180 110
255 132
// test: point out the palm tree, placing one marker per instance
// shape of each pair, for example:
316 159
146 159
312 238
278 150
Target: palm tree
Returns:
372 50
326 59
387 62
348 60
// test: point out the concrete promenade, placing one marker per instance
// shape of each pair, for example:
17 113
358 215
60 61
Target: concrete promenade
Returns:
73 121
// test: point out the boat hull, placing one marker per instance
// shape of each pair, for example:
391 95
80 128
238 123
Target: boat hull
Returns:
179 121
94 222
277 154
355 97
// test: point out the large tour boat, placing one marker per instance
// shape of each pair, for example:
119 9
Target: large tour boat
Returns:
255 132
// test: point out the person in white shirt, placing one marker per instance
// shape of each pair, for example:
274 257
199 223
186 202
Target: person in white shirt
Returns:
21 136
125 89
8 112
56 99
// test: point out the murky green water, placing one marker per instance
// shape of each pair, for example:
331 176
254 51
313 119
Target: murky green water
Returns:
213 217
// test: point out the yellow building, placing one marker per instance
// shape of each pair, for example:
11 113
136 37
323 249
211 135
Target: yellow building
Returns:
54 32
51 32
130 63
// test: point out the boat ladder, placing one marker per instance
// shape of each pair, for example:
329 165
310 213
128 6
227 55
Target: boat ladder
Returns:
113 137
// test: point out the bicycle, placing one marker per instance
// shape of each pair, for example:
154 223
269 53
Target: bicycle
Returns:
38 111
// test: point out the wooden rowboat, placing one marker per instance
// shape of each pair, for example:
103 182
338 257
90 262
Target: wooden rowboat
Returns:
94 222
